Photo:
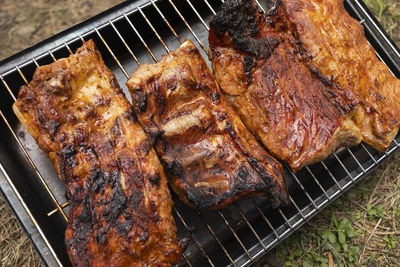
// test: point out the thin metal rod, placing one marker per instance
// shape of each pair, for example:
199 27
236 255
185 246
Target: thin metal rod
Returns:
344 167
210 7
140 37
370 155
30 215
285 218
331 175
260 6
194 239
186 259
239 210
359 164
302 188
124 42
198 15
297 207
34 166
112 53
316 180
55 210
166 21
69 49
52 56
235 235
154 30
187 25
215 237
8 88
265 219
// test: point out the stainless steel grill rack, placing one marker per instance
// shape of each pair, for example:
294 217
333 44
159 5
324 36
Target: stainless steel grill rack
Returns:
138 32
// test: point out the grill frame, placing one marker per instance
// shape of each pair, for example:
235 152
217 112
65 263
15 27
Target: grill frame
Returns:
355 162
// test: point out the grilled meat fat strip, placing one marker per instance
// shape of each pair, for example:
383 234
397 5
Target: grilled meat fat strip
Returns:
211 157
120 202
300 115
340 50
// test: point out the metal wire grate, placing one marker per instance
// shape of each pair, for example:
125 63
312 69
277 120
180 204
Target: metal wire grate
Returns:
237 235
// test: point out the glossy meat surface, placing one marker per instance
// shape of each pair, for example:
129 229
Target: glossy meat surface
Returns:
120 202
211 157
300 115
340 50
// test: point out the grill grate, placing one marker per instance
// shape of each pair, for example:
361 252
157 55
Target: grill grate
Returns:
237 235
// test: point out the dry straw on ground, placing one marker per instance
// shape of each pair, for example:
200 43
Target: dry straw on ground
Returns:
370 212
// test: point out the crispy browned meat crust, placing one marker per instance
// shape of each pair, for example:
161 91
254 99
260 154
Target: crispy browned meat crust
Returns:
300 115
210 155
120 202
340 50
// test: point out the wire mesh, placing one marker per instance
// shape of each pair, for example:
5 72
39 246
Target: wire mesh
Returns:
241 233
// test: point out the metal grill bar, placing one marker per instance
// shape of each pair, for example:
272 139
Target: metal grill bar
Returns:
193 238
28 212
198 15
112 53
187 25
235 235
166 21
215 237
304 213
239 210
28 157
316 180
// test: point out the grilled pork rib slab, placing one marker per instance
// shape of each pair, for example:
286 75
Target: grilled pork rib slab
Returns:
120 201
211 157
300 115
340 50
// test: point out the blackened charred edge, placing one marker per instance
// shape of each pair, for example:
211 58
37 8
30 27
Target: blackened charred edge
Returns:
130 115
101 235
271 187
117 202
114 83
116 129
273 190
155 137
66 158
82 226
97 181
333 95
61 166
144 147
248 64
50 125
155 180
214 95
240 19
139 100
174 168
205 198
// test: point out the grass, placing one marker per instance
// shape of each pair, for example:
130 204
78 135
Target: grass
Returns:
359 229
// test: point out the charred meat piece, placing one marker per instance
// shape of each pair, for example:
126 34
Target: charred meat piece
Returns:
300 115
340 50
120 202
210 156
